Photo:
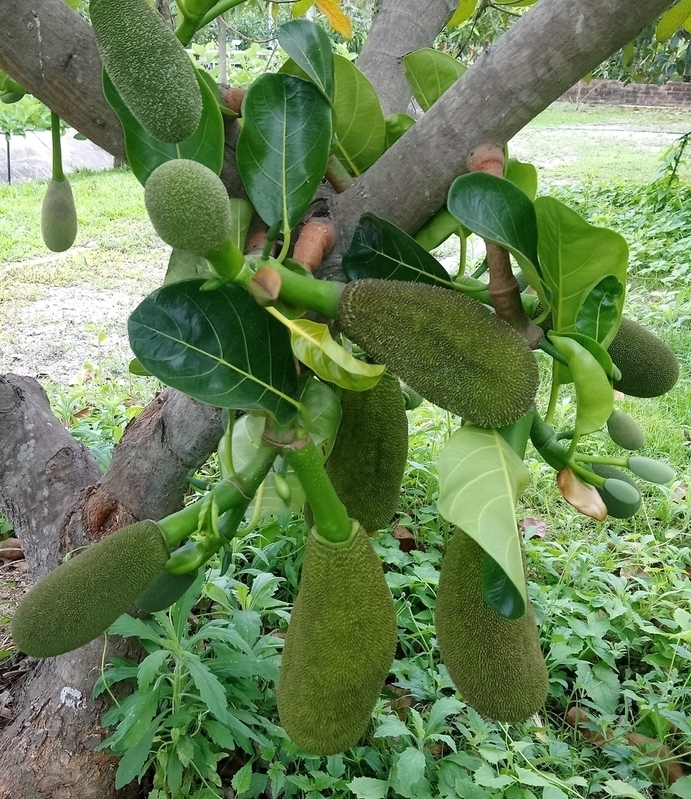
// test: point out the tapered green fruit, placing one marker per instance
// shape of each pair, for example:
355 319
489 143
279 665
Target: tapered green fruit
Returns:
164 590
188 206
495 663
648 366
58 216
651 470
618 505
625 430
148 66
444 345
340 645
80 599
369 455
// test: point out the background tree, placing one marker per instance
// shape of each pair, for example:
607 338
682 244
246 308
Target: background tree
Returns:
57 500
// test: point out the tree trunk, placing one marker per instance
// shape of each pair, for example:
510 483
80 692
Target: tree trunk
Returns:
57 499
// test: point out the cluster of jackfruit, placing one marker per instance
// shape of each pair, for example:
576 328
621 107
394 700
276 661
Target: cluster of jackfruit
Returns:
80 599
496 663
449 348
368 459
148 66
339 647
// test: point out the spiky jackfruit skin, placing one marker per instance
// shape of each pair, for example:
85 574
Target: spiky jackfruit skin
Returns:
188 206
339 647
80 599
164 590
495 663
58 216
369 455
148 66
444 345
648 366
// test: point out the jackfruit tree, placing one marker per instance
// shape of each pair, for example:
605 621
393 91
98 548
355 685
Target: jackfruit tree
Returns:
301 313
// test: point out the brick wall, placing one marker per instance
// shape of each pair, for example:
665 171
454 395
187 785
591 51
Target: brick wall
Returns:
612 92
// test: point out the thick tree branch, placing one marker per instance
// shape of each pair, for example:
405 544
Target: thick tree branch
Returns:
532 64
399 28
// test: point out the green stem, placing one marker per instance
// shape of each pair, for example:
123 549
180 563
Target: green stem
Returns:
321 296
228 260
553 395
463 254
517 434
603 459
337 175
330 516
585 475
58 174
547 346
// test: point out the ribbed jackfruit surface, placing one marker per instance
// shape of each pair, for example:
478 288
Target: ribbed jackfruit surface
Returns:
148 66
648 366
58 216
188 206
444 345
495 663
80 599
339 648
369 455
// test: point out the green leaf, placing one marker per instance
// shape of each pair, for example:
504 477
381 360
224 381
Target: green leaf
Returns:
381 250
446 706
596 350
240 217
498 591
369 788
523 175
500 212
359 124
601 684
135 757
396 126
284 146
145 153
462 13
600 313
151 666
218 346
437 229
323 409
135 368
621 788
681 788
129 627
672 20
480 480
310 48
187 266
575 256
242 779
533 778
552 792
392 727
430 73
594 394
408 769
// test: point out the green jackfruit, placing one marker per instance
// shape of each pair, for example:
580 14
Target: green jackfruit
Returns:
617 506
340 645
650 470
648 366
80 599
58 216
164 590
444 345
625 430
188 206
495 663
369 455
148 66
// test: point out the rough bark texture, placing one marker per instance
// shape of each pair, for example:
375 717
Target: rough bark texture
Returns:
57 499
398 29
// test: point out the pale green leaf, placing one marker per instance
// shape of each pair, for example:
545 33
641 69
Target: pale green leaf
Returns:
430 73
673 20
480 480
462 13
681 788
621 788
533 778
369 788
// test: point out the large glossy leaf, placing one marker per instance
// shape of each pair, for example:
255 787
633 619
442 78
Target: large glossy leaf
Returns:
500 212
430 73
575 256
600 314
145 153
594 394
523 175
598 352
284 146
359 123
217 346
480 480
381 250
310 48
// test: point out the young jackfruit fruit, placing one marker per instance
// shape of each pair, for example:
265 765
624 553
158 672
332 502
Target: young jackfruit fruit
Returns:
648 366
618 506
188 206
495 663
80 599
625 430
369 455
148 66
58 216
444 345
340 645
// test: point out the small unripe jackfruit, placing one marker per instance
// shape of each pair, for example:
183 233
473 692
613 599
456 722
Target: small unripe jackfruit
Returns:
164 590
369 455
495 663
625 430
188 206
618 506
80 599
339 648
58 216
444 345
148 66
651 470
648 366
